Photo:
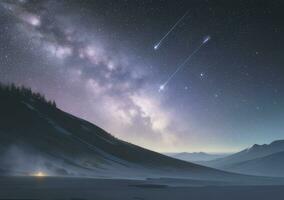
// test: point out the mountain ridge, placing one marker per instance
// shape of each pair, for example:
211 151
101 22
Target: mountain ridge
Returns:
245 160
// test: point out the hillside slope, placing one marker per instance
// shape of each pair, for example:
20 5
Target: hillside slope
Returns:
37 136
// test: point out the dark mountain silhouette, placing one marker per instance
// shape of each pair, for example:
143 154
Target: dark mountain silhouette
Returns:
37 136
265 160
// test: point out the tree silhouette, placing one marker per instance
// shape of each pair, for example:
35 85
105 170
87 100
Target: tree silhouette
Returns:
23 93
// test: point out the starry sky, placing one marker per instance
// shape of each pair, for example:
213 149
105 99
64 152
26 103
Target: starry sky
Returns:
96 60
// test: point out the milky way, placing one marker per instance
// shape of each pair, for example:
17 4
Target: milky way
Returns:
96 60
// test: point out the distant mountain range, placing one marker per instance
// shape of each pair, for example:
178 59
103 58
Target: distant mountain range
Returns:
264 160
196 156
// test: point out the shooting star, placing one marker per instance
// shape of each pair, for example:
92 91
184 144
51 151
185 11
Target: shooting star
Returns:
205 40
157 45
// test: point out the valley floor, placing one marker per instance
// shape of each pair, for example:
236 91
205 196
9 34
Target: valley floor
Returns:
109 189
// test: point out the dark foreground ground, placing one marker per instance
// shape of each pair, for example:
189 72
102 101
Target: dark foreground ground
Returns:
21 188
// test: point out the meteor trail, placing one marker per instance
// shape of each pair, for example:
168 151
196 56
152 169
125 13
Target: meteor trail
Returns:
157 45
205 40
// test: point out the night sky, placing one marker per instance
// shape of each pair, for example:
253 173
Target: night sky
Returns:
97 60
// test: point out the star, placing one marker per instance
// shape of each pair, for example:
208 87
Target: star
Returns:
161 88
